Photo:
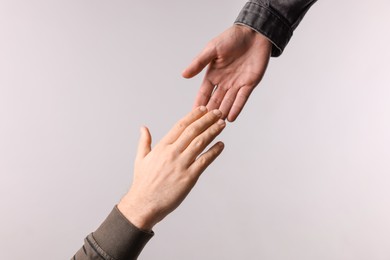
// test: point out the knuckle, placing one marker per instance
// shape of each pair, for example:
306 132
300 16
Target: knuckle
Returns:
205 93
202 160
171 153
199 143
181 124
215 100
193 130
210 132
229 100
214 131
188 135
190 131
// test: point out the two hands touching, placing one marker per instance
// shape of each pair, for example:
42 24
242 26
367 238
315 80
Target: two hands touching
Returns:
163 176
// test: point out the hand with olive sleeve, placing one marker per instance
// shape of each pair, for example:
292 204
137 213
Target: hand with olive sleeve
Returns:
164 175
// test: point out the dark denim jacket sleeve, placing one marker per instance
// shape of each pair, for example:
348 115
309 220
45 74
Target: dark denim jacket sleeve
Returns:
115 239
275 19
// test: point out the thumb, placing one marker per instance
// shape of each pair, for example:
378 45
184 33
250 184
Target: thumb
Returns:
197 65
144 143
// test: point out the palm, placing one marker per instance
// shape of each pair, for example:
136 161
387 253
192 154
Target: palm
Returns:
237 60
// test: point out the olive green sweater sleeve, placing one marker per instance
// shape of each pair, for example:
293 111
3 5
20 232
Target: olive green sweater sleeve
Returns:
115 239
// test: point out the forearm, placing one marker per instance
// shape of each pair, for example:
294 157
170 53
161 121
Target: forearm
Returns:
163 177
116 238
275 19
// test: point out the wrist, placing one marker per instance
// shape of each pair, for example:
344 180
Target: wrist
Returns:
139 216
257 37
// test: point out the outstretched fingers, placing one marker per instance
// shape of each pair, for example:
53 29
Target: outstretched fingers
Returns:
196 129
197 146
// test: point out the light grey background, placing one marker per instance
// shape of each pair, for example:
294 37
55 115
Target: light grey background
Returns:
305 172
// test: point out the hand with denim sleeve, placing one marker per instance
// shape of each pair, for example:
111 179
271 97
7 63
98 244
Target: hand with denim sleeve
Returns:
164 175
237 60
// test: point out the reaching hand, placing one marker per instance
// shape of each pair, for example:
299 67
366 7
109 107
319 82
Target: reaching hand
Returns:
237 61
164 176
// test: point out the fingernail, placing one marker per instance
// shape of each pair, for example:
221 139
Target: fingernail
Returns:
221 122
202 108
217 112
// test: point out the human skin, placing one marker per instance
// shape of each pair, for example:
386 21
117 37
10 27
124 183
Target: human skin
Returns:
237 60
164 175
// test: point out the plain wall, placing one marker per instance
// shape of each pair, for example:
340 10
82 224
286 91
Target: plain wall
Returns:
305 172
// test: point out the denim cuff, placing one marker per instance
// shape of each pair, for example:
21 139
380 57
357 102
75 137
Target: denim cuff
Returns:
267 22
